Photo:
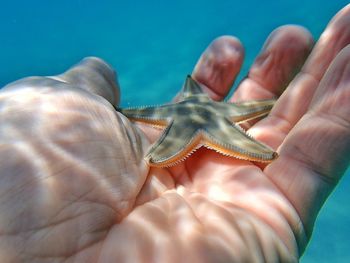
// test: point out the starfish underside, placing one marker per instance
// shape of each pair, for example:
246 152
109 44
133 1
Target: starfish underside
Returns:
198 121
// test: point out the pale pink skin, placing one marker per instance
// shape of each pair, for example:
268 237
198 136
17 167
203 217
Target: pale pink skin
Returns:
74 186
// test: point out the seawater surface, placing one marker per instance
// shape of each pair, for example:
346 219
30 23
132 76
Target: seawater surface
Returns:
153 45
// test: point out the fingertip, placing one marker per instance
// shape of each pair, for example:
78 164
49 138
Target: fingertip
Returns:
334 84
96 76
345 11
228 50
340 62
294 35
282 56
280 59
219 65
333 39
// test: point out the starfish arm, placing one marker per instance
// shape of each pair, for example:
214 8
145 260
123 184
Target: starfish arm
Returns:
177 142
231 139
155 115
191 87
245 111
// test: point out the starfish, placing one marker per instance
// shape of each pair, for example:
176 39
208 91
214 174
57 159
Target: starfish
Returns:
196 120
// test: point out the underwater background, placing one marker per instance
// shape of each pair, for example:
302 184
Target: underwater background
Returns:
153 45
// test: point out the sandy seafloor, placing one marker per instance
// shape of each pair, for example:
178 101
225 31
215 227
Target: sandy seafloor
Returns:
153 45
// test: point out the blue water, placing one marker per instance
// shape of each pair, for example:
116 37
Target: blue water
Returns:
153 45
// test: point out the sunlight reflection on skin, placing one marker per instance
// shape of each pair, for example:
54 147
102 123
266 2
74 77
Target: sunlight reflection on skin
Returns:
88 169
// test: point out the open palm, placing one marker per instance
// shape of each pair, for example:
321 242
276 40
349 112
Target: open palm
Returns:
74 186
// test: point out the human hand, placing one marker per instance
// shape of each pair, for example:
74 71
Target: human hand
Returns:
74 185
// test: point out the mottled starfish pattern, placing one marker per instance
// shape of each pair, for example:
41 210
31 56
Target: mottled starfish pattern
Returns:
196 120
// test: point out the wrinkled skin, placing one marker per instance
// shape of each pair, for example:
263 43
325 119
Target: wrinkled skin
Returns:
74 186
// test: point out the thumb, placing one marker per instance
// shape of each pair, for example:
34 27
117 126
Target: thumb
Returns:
94 75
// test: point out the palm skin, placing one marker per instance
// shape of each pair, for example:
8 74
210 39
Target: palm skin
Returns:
74 186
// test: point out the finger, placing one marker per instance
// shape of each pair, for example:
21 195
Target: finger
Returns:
94 75
219 65
281 57
295 101
316 152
